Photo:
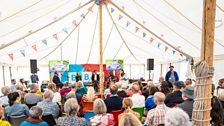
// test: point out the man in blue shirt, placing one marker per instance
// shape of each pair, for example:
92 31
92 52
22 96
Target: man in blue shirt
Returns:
171 76
13 85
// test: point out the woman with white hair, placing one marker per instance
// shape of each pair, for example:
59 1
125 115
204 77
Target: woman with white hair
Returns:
129 119
57 95
4 100
80 88
101 118
90 96
71 108
35 117
177 117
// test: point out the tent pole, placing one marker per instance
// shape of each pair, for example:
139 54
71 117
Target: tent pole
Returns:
161 70
3 70
101 47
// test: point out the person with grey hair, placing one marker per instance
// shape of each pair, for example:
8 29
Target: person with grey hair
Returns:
35 118
177 117
4 100
31 99
49 107
101 118
71 108
80 88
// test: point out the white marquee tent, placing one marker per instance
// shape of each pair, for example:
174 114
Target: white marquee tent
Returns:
134 30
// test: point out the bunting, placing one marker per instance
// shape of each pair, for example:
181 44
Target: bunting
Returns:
82 15
90 9
151 40
120 17
174 52
74 23
136 29
11 56
166 48
112 10
158 44
55 36
44 41
128 23
22 51
34 47
65 30
144 34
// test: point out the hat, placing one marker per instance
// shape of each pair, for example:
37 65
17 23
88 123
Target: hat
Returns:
171 66
178 84
189 92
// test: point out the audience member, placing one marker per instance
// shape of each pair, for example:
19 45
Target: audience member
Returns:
217 114
149 103
220 86
114 102
80 88
90 96
165 88
21 91
3 122
121 92
176 96
128 119
71 108
48 106
74 95
188 82
35 118
156 116
57 95
188 96
177 117
15 108
4 100
137 99
65 89
13 85
32 98
22 82
127 105
101 118
56 80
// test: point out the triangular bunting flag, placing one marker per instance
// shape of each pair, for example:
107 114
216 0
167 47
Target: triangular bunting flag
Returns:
112 10
144 34
120 17
74 22
65 30
136 29
158 44
44 41
166 48
55 36
11 56
34 47
174 52
82 15
90 9
181 54
22 51
151 40
128 23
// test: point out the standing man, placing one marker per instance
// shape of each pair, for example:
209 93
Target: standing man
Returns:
56 80
13 85
95 80
34 78
171 76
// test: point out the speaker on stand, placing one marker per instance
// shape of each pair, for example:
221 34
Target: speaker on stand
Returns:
33 66
150 66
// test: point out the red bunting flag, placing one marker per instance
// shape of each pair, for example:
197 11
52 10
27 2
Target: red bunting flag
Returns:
55 36
166 48
90 9
120 17
136 29
34 47
11 56
74 22
151 40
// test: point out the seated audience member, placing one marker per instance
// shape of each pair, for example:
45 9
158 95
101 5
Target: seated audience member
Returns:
71 108
35 118
15 108
90 96
22 93
176 96
4 100
177 117
217 115
32 98
165 88
187 104
220 86
74 95
2 122
161 79
121 92
114 102
13 85
49 107
22 82
127 105
130 92
137 99
128 119
188 82
57 95
156 116
106 92
102 118
149 103
80 88
220 96
65 89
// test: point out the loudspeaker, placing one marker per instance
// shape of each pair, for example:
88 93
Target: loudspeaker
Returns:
33 66
150 64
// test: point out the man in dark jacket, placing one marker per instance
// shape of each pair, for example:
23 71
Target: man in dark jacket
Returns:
171 76
176 96
95 80
56 80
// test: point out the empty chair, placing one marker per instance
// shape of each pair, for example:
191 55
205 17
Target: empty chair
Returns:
49 119
87 106
115 114
16 120
139 110
87 115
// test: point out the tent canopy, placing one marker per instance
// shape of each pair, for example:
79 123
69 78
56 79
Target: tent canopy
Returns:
69 30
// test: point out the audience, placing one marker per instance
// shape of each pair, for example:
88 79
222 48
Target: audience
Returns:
35 118
217 114
71 108
114 102
188 96
13 85
4 100
156 116
101 118
15 108
188 82
80 88
90 96
121 90
176 96
127 105
57 95
165 88
32 98
149 103
19 88
3 122
177 117
74 95
65 89
22 82
49 107
128 119
137 99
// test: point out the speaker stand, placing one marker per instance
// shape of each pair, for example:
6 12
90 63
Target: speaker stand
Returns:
149 74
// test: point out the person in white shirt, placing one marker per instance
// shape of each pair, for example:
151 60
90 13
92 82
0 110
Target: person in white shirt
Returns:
137 99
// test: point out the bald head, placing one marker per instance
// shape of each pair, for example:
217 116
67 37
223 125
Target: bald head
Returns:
159 98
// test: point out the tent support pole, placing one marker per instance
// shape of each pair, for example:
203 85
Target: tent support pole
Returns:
3 70
161 70
101 47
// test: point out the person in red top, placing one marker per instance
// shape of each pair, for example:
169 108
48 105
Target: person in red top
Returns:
65 89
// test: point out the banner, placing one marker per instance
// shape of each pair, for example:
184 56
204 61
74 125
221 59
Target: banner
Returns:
114 64
58 65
